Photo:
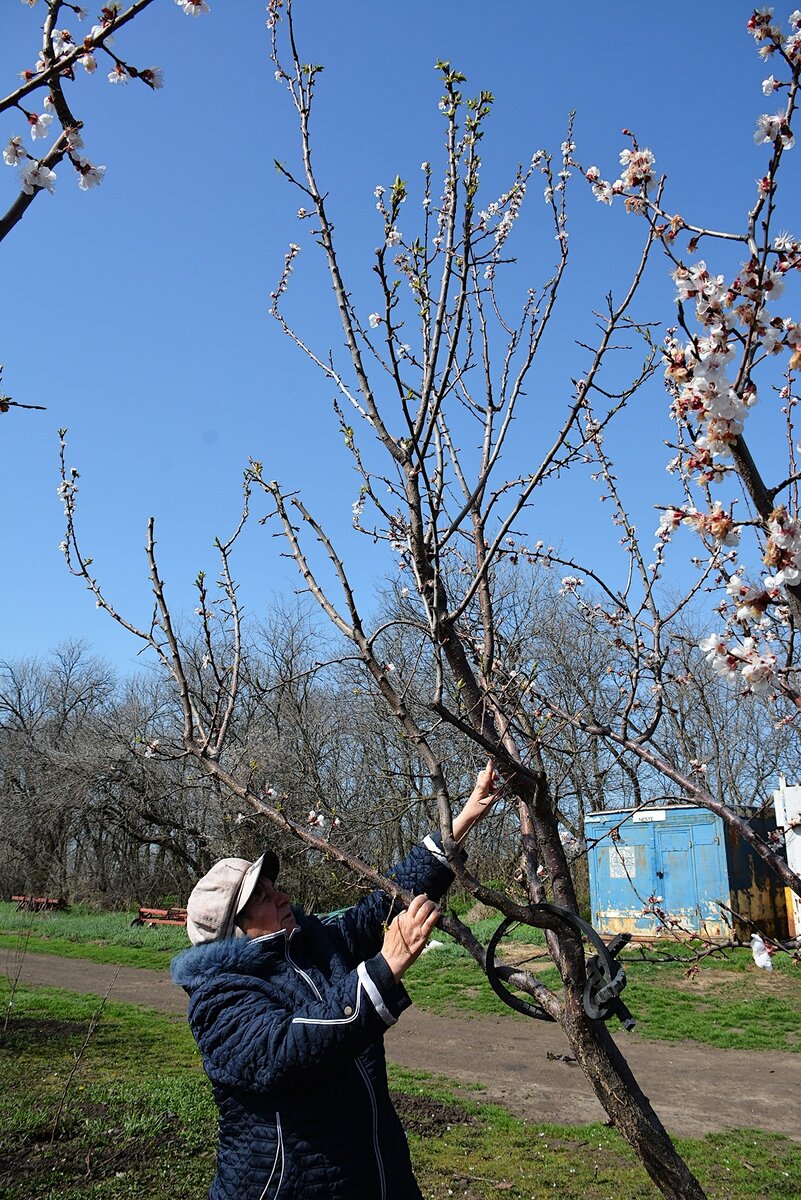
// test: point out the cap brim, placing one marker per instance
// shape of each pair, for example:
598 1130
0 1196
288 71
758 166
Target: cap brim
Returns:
267 865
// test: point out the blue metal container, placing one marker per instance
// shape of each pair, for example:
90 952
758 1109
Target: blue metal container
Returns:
673 868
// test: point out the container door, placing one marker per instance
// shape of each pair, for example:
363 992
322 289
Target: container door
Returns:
624 880
711 878
676 875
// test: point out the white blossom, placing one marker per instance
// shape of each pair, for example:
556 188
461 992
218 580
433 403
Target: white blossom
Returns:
374 320
603 192
119 74
39 125
153 76
98 33
35 175
193 8
771 127
89 175
62 42
639 167
14 153
88 62
768 86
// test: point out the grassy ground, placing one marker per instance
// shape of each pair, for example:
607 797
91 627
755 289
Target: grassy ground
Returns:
138 1123
729 1003
102 937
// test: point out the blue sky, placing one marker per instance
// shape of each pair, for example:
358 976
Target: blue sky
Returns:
137 312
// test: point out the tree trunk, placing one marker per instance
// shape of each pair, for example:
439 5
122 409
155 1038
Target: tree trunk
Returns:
627 1105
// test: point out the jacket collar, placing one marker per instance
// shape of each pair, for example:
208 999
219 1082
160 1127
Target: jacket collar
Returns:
192 967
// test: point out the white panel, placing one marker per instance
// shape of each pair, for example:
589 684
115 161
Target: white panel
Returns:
621 862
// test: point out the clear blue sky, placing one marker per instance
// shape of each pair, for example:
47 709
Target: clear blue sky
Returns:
137 312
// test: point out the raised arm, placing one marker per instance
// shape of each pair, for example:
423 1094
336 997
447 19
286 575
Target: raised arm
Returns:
481 799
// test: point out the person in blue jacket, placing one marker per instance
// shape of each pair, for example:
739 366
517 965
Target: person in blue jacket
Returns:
289 1012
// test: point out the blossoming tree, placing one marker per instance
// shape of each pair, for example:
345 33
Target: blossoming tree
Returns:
430 383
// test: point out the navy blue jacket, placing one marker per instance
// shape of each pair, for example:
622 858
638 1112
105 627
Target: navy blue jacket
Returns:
291 1027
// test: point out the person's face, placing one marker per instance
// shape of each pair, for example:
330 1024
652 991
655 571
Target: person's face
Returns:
267 911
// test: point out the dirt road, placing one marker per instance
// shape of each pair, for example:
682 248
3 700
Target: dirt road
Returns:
695 1089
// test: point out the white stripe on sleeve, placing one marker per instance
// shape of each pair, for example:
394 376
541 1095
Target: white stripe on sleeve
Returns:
436 850
375 995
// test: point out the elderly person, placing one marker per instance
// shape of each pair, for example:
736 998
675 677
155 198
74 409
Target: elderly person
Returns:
290 1013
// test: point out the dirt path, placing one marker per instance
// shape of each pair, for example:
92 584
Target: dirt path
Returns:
695 1089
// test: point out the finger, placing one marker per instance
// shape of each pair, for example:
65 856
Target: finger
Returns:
416 904
429 919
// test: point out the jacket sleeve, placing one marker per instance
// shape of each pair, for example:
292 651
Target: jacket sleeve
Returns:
424 870
252 1036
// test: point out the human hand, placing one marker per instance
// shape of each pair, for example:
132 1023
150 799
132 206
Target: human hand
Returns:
487 789
407 935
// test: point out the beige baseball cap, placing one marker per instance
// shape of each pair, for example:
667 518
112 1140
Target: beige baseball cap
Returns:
222 893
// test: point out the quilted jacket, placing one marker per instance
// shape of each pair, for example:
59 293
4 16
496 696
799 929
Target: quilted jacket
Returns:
290 1028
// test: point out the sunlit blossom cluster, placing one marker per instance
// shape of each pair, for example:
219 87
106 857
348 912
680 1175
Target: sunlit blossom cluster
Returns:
717 524
711 400
67 51
710 374
741 662
637 173
782 551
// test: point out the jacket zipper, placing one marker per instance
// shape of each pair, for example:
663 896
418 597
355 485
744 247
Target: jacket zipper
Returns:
376 1147
279 1157
303 974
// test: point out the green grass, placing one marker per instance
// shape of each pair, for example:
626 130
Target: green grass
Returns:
729 1004
156 958
98 937
140 1124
